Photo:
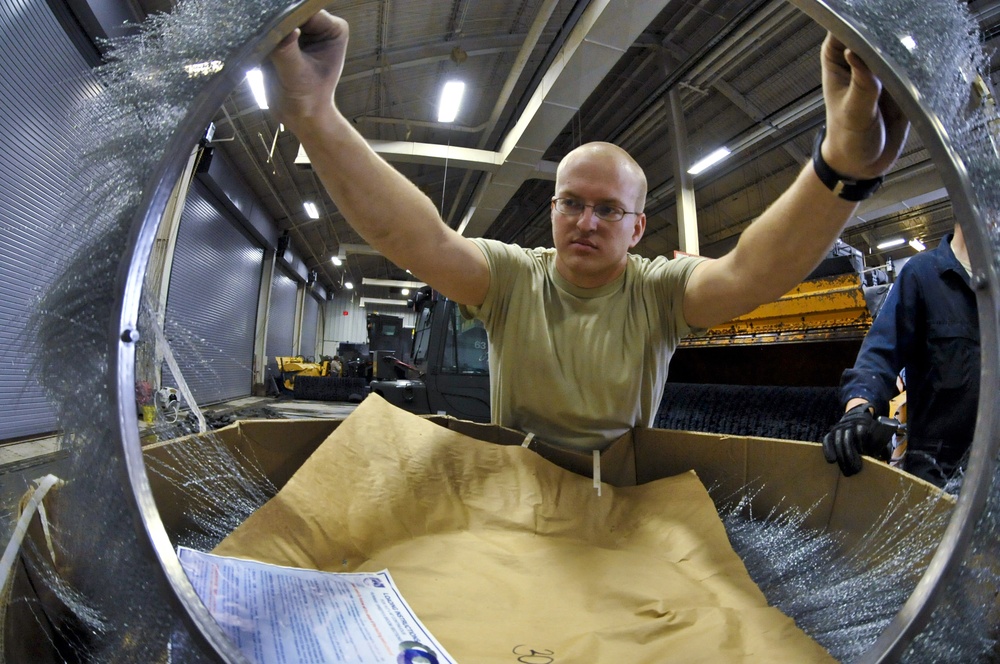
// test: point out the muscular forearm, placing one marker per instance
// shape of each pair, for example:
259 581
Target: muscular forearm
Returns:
772 256
385 208
793 235
391 213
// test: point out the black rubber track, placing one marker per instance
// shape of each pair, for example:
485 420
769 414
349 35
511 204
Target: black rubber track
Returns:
790 413
329 388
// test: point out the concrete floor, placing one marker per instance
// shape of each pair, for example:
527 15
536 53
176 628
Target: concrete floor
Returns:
298 409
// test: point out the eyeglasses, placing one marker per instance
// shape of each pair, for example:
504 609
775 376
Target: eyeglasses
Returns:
572 207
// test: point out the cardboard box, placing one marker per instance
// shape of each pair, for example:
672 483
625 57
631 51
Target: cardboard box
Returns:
776 473
770 473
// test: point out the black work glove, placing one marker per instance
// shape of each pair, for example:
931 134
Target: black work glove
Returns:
855 434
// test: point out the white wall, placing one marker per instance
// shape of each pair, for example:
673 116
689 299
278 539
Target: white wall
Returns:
353 328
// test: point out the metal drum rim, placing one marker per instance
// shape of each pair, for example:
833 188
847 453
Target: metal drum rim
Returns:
205 631
950 551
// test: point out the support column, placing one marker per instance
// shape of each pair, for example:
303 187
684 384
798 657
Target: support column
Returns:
687 215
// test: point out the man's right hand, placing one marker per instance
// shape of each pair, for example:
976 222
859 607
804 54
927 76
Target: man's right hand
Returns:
852 436
305 69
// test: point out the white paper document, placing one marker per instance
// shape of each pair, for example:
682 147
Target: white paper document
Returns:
283 615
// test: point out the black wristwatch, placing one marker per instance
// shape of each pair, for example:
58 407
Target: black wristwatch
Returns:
847 188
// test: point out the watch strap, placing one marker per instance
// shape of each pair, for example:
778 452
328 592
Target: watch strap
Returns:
847 188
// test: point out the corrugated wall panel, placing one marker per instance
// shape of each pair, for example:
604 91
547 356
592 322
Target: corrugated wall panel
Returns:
353 327
212 301
281 317
44 79
310 321
339 328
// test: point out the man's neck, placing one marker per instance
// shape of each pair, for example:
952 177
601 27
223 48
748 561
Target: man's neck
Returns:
587 281
958 248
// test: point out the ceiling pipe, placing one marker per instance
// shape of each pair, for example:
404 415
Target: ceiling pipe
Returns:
693 68
745 14
746 39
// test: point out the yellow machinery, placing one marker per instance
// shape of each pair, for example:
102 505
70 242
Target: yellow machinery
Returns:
805 338
820 309
296 365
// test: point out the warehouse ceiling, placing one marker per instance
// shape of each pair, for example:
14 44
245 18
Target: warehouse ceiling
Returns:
544 76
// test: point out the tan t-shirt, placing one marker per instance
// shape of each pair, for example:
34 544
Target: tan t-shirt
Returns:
576 366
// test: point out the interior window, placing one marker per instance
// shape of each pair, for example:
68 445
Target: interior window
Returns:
466 347
422 337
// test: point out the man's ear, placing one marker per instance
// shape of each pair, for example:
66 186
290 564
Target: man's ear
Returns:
638 229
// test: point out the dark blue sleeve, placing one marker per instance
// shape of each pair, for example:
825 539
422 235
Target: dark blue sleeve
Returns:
882 353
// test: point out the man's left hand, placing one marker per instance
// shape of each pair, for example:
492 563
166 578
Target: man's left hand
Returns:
866 129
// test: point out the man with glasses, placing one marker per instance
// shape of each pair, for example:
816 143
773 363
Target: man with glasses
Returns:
581 334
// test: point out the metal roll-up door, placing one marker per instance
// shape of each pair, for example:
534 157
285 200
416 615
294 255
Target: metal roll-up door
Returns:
310 322
212 301
44 80
280 319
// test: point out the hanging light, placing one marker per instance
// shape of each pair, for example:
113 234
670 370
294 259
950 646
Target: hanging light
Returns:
917 244
710 160
889 244
451 101
311 210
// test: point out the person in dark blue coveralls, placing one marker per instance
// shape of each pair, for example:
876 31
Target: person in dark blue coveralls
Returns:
928 327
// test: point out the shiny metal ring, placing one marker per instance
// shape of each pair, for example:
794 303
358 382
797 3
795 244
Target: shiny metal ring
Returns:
204 630
915 613
951 165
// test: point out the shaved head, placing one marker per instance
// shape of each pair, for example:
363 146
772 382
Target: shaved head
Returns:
611 153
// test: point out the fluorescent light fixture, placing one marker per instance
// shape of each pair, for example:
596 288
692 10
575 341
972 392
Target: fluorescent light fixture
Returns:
336 261
711 160
383 301
889 244
349 285
311 209
908 42
255 77
405 291
392 283
451 101
917 244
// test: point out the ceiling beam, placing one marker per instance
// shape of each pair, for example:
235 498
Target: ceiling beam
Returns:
605 32
434 154
898 193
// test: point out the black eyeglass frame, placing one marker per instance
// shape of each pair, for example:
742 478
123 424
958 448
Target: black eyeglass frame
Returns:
556 200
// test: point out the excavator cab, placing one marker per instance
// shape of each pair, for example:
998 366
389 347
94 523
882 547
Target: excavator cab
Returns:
450 356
